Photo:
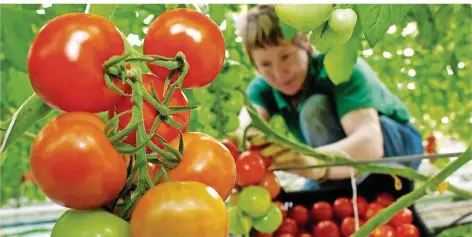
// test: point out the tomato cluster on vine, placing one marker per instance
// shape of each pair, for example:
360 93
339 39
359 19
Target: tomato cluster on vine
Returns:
130 167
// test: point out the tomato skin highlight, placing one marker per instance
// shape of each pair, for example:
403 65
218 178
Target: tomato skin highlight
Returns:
193 33
74 164
65 62
184 209
250 167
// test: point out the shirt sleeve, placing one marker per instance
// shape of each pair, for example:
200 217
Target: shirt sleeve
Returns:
260 93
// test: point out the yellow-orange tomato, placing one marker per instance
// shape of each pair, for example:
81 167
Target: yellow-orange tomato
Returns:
74 164
184 209
205 160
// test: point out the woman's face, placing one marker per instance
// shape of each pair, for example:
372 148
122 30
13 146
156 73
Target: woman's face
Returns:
284 66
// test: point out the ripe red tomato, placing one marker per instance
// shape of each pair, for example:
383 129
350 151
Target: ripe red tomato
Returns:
250 168
407 230
282 208
193 33
271 183
405 216
326 229
231 147
74 164
322 211
267 160
361 205
205 160
383 231
372 210
385 199
288 226
150 113
65 62
348 226
192 201
300 214
343 208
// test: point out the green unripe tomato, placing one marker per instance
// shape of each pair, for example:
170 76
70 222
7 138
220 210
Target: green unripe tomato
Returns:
304 17
90 223
343 20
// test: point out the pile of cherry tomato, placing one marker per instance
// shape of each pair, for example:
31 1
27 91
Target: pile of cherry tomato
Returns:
336 219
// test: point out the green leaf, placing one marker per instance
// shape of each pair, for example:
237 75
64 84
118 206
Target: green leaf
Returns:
288 31
377 18
103 10
217 13
32 111
17 87
17 34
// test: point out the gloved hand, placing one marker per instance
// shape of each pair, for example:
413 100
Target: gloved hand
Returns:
283 156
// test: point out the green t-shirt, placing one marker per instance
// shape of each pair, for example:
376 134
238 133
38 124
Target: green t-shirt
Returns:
363 90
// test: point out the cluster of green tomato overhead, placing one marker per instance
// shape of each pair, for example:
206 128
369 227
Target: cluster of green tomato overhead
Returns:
220 102
333 32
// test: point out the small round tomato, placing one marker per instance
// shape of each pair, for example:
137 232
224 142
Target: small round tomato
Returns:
407 230
282 208
193 33
250 168
86 223
405 216
257 149
270 222
326 229
239 224
383 231
271 183
182 209
343 208
65 62
231 147
322 211
348 226
150 113
205 160
300 214
385 199
74 164
255 201
288 226
372 210
361 205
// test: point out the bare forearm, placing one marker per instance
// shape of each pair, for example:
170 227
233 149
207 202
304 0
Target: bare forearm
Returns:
364 144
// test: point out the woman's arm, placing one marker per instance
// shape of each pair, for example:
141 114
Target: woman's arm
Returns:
364 140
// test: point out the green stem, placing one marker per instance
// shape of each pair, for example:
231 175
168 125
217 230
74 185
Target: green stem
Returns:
408 199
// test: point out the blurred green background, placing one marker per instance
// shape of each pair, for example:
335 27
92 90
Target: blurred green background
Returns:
425 59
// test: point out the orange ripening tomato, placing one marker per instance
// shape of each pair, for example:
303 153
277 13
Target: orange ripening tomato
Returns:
192 33
184 209
150 113
271 183
65 62
205 160
74 164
